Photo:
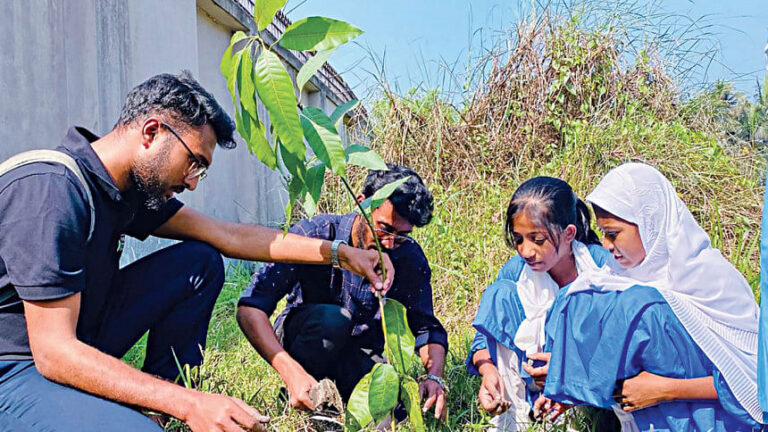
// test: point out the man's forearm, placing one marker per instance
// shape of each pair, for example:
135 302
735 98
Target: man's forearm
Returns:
258 330
83 367
259 243
244 241
433 358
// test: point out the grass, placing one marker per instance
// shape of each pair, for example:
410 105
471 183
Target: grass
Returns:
465 248
573 96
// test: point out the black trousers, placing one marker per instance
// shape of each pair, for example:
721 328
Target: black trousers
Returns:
318 336
171 294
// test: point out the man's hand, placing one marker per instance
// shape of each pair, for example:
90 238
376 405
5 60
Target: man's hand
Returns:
219 413
433 394
491 394
545 406
61 357
539 374
299 383
365 262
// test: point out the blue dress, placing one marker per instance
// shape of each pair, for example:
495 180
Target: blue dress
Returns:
500 314
597 338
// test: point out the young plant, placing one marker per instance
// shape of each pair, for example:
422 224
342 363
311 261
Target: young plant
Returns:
253 69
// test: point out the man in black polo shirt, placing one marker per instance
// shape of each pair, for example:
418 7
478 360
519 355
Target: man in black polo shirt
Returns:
68 313
331 327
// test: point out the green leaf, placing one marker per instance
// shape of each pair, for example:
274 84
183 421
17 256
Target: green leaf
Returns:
381 195
400 343
358 414
296 189
230 62
312 66
275 89
314 186
246 114
264 11
384 390
230 67
339 112
365 157
293 164
245 85
317 34
255 135
409 394
324 140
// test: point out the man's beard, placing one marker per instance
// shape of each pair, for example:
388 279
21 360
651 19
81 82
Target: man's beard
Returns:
361 235
146 176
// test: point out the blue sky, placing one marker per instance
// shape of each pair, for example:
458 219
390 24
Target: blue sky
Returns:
413 33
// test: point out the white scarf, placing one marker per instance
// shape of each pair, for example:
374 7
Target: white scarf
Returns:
707 294
537 291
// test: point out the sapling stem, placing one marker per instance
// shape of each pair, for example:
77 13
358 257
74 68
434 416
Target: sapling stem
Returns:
381 258
373 232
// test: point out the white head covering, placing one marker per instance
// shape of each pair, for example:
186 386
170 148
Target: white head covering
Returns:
710 297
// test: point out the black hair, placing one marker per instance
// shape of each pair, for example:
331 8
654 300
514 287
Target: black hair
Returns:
183 100
550 202
411 199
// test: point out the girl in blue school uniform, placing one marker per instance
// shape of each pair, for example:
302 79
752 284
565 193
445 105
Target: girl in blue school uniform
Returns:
549 227
669 339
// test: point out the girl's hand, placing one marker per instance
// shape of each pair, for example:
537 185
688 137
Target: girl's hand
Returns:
544 406
539 374
641 391
491 394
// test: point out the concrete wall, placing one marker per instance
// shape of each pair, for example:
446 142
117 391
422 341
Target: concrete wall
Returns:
72 62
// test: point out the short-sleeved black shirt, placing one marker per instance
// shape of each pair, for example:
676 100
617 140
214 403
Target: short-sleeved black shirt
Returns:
44 225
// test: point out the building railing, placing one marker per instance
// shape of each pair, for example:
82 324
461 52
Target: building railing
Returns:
327 74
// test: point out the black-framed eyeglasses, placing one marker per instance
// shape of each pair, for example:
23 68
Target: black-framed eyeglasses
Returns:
396 238
198 168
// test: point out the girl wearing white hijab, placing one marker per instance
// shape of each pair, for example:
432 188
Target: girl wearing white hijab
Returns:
691 339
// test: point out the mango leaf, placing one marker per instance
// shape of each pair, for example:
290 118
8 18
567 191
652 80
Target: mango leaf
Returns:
384 390
246 117
245 85
317 34
314 186
409 394
292 164
257 140
365 157
340 110
264 11
400 343
358 414
230 66
312 66
230 61
296 189
275 89
324 139
254 133
381 195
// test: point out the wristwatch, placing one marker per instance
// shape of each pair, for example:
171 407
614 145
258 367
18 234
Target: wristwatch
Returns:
335 253
436 379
